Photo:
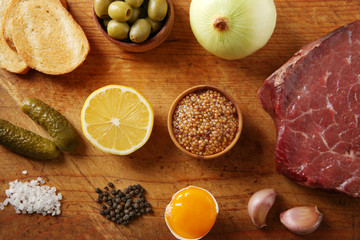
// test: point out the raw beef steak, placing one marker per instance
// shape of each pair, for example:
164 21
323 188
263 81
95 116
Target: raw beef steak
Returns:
314 102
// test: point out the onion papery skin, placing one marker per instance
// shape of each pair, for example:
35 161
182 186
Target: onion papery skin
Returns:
250 26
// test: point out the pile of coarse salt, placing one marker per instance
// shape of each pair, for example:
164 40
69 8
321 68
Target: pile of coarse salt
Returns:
30 197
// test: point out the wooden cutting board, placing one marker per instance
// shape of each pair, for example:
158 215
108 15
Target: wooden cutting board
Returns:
160 75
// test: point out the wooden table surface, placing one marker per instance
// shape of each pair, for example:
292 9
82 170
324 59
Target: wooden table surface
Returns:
160 75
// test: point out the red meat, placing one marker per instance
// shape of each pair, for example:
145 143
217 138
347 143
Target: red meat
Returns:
314 102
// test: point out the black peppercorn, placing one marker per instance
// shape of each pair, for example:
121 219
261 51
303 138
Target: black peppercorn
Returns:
122 207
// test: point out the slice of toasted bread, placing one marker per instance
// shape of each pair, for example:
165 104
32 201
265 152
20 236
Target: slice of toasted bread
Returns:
64 3
45 35
9 58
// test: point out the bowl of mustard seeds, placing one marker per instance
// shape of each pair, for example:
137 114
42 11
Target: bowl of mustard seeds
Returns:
204 122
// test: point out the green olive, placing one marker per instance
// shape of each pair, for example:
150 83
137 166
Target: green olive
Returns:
136 13
134 3
145 5
101 8
106 21
140 31
120 11
155 25
118 30
157 9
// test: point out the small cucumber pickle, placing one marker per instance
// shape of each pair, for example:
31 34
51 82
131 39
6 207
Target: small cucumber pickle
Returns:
121 19
63 133
26 143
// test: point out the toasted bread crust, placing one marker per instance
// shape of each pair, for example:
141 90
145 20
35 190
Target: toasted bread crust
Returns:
45 35
9 58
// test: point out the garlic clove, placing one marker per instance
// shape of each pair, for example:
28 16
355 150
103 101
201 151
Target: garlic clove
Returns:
301 220
259 206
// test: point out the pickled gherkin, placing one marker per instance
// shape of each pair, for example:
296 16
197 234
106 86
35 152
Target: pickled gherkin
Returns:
26 143
63 133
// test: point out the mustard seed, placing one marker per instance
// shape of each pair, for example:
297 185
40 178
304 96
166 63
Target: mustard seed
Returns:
205 122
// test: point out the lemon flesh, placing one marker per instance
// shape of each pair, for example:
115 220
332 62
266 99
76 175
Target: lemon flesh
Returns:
117 119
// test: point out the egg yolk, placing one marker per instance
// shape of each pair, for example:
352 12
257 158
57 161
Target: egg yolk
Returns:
191 213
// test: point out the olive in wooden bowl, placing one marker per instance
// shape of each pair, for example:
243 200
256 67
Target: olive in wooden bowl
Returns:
134 25
204 122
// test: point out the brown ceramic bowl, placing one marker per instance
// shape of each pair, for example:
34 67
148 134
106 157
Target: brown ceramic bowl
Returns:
195 89
153 41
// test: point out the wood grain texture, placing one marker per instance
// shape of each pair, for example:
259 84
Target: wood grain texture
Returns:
160 75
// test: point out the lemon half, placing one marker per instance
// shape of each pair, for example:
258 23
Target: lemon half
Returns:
117 119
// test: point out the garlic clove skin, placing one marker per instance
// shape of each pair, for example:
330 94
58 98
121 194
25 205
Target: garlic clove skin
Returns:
301 220
259 206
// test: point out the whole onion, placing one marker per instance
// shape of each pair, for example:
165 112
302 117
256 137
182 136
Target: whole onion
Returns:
232 29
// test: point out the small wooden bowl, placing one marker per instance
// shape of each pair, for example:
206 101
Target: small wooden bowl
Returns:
152 42
194 89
